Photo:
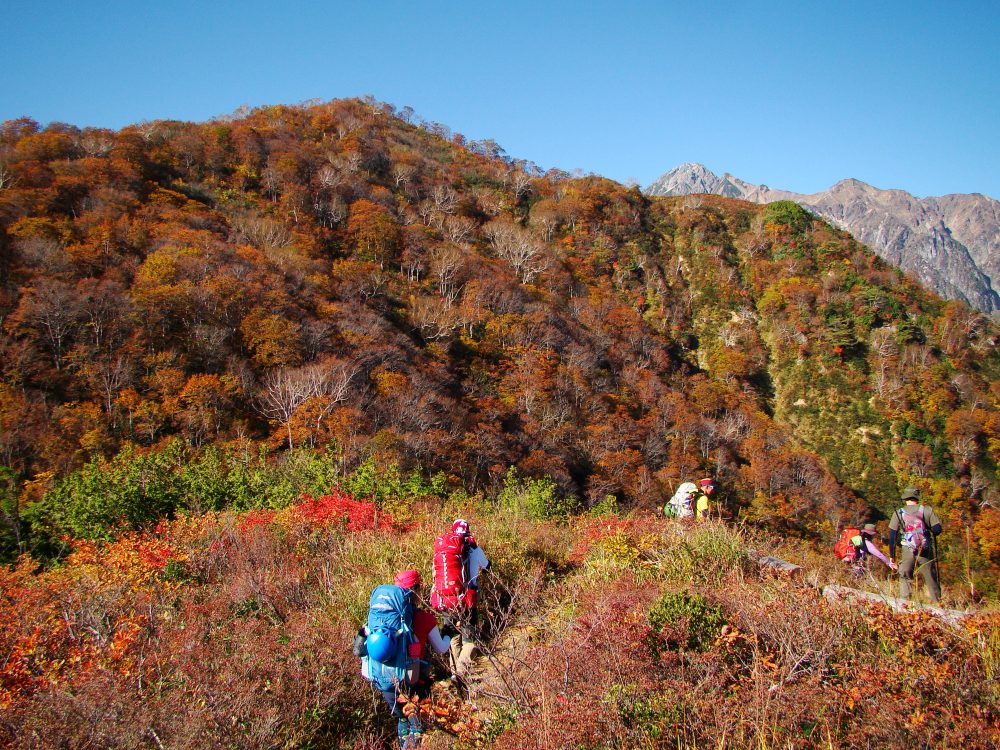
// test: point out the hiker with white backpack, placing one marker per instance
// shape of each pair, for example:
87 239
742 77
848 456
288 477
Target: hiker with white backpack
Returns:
915 527
692 501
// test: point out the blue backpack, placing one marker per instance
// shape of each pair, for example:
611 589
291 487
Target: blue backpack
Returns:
390 633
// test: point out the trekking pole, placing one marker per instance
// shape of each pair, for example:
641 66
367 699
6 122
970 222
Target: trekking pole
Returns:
936 570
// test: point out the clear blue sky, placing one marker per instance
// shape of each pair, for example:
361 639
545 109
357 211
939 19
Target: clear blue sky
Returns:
795 95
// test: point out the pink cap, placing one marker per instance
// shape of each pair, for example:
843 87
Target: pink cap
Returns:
407 579
461 526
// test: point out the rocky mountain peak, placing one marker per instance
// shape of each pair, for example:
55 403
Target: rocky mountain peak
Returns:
951 243
694 178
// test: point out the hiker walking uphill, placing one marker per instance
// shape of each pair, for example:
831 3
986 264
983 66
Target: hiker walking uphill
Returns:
391 646
691 500
384 647
458 561
427 637
916 526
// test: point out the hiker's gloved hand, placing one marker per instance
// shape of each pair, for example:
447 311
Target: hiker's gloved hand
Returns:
449 630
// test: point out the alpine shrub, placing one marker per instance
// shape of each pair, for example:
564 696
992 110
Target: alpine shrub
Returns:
536 498
683 620
789 213
387 485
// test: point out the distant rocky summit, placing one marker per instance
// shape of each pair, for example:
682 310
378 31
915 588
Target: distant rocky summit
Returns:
950 243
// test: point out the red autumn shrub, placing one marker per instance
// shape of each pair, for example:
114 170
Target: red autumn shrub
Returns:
341 508
93 612
256 518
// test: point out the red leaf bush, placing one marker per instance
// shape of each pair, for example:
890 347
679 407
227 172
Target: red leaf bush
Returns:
338 507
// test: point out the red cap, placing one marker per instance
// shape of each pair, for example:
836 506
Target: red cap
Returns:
705 482
461 526
407 579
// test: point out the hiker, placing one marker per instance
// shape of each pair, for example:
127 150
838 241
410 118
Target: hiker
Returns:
915 526
391 646
681 505
868 534
427 636
458 561
702 505
855 545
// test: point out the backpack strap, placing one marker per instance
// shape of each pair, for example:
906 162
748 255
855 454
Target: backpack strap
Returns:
897 535
900 512
930 541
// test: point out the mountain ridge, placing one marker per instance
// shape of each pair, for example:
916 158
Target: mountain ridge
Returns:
950 243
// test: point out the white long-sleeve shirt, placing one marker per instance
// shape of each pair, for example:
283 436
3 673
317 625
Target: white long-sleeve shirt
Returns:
438 642
475 562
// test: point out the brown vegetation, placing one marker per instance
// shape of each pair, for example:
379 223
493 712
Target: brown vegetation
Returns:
614 631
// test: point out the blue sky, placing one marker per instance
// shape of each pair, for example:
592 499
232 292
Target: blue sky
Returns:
795 95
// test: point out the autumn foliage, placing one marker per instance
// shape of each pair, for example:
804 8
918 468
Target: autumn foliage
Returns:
240 359
617 630
341 509
146 619
342 278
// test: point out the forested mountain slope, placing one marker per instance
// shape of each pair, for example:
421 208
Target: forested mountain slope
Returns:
336 279
948 243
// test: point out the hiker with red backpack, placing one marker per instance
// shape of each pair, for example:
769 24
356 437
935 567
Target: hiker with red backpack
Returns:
856 545
393 648
458 561
915 526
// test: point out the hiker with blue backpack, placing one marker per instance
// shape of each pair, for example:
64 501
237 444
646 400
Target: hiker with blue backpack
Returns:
393 648
915 526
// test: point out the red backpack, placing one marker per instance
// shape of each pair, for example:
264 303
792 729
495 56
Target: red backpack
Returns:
844 547
449 579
